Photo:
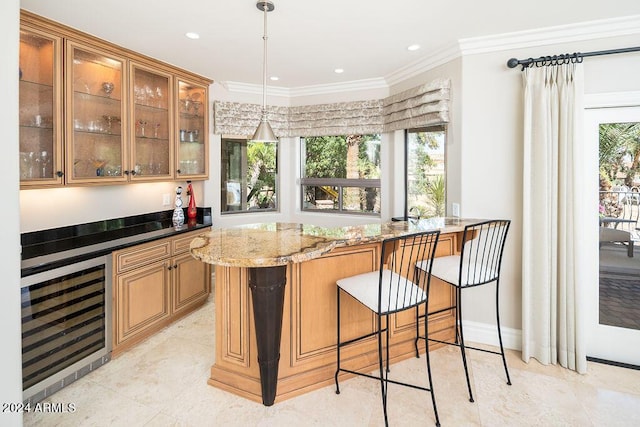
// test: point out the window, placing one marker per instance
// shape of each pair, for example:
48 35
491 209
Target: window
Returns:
425 172
341 174
249 176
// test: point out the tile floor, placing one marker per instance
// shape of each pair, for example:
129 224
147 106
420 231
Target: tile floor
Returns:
162 382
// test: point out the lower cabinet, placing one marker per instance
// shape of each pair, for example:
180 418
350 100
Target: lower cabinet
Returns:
154 284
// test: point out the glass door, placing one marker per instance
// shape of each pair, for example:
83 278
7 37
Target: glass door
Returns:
40 118
152 153
193 153
614 313
95 116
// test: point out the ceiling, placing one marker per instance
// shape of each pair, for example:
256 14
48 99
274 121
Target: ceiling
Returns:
309 39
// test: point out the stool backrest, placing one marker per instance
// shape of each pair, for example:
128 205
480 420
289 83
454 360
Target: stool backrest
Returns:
482 248
402 285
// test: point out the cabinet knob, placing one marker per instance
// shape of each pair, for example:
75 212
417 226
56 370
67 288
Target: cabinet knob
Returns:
175 265
126 172
59 174
170 267
133 172
179 171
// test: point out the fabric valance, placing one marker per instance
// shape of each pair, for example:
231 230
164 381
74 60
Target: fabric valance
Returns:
421 106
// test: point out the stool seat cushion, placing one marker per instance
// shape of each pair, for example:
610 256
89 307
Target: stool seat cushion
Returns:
447 268
365 287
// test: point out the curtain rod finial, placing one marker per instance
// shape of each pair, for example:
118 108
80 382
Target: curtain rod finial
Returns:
512 63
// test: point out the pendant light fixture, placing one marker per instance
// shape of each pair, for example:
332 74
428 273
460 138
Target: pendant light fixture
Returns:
264 133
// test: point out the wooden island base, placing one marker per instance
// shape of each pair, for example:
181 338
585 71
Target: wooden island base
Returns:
308 350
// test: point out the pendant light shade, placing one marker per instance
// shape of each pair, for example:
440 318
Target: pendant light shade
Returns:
264 133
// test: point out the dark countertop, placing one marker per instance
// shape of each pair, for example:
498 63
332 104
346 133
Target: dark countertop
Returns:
52 248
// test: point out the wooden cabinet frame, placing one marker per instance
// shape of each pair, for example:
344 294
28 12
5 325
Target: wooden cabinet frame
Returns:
67 37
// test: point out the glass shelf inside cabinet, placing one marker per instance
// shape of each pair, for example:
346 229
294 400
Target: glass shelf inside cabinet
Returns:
97 143
191 121
37 113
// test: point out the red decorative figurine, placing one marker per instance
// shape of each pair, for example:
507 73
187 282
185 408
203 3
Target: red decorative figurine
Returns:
191 209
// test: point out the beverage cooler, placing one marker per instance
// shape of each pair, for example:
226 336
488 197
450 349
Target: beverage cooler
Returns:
66 325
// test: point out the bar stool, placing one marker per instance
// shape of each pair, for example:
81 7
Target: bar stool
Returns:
478 264
396 286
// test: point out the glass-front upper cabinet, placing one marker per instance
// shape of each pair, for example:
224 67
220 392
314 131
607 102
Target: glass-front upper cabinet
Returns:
96 122
152 130
40 117
192 132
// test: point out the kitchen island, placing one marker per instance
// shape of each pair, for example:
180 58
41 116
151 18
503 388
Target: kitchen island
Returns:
278 341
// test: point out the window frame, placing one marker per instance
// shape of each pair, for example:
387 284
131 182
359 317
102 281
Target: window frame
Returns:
430 128
341 183
223 179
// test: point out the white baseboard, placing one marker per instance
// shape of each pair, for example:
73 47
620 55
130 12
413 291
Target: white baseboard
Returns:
485 333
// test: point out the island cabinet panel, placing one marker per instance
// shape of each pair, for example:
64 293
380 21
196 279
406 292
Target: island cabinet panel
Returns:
308 346
314 305
154 284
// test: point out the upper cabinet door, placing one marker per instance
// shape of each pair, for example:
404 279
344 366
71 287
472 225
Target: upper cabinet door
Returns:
96 119
192 133
152 151
40 117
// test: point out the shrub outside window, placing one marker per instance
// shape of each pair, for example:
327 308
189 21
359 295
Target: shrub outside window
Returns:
341 174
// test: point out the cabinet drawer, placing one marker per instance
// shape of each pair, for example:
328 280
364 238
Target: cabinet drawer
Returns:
129 259
181 244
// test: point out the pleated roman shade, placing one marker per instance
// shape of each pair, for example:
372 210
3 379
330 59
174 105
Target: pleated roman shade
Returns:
421 106
418 107
236 118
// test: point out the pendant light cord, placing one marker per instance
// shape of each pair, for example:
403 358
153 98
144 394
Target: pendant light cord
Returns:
264 63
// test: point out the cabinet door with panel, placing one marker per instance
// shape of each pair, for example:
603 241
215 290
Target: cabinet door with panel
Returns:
143 299
152 148
96 120
40 114
190 282
192 130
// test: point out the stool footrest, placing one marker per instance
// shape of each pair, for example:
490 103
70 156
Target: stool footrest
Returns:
466 346
362 374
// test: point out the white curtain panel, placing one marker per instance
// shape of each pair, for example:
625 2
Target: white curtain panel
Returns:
553 218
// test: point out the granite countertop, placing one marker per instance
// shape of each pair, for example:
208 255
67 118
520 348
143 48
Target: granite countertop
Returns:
48 249
274 244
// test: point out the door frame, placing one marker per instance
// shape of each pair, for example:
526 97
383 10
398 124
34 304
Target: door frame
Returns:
604 342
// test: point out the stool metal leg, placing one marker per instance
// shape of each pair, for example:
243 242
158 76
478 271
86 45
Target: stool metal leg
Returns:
504 359
338 342
462 349
383 383
426 343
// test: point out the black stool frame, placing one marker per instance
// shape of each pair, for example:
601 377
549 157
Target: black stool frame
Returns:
480 264
399 255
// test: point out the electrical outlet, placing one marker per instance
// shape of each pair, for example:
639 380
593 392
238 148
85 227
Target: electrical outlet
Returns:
166 199
455 209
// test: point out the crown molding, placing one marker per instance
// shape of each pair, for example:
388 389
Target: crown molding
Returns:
422 65
254 89
590 30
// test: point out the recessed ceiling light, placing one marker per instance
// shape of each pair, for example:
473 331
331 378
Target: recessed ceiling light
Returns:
338 71
275 78
192 36
413 47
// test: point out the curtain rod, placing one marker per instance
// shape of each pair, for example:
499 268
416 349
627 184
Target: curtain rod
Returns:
565 58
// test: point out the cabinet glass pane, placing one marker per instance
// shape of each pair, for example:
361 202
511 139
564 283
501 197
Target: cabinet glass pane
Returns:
38 153
151 120
191 129
96 109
